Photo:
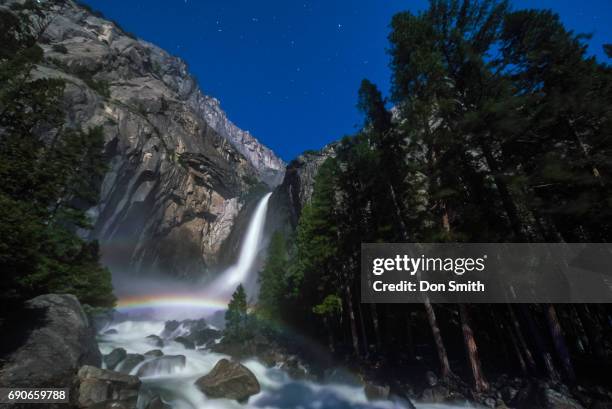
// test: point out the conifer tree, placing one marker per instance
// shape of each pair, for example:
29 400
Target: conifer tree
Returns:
236 316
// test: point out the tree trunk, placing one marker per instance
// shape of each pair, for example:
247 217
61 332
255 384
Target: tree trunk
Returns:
445 370
399 214
543 351
517 350
559 342
352 321
376 325
502 187
521 339
364 335
410 339
593 331
480 383
330 334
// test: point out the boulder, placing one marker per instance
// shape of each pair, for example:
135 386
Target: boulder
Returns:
293 367
187 343
508 393
130 362
204 337
56 340
154 352
158 403
544 395
229 380
431 378
114 358
111 331
169 328
155 341
101 388
553 399
163 365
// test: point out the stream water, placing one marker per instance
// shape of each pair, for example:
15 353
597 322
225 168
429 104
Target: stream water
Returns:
173 378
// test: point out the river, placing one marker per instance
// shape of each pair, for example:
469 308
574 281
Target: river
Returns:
174 380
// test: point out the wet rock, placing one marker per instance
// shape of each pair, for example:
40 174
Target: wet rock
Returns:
154 352
158 403
435 394
342 376
155 341
508 393
57 341
543 395
293 367
193 326
187 343
111 331
431 378
130 362
204 336
229 380
490 402
114 358
100 389
169 328
553 399
163 365
374 391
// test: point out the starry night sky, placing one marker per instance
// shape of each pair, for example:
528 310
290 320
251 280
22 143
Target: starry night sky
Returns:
288 71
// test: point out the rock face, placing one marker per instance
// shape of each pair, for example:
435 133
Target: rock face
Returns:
270 168
230 380
296 189
59 341
102 389
298 183
178 166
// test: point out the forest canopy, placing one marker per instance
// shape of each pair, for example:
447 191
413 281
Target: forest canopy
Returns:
51 174
499 132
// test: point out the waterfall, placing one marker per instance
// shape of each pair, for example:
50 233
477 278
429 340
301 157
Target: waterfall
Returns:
226 283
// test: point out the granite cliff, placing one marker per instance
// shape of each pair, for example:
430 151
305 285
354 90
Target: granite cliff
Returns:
179 168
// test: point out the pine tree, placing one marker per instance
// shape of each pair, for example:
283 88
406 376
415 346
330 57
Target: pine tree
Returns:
236 316
273 287
50 175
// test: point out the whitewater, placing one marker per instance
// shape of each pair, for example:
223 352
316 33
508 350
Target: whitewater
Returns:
174 379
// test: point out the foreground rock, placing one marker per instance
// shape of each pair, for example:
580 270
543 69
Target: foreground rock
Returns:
58 340
229 380
101 389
